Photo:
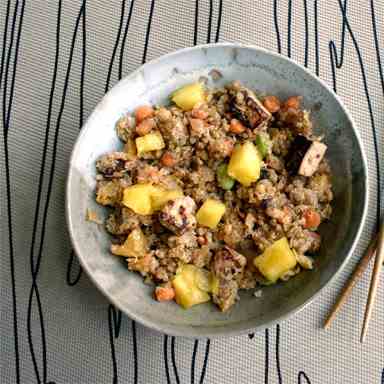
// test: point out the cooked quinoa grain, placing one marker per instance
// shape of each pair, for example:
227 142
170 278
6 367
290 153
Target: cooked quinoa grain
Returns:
257 160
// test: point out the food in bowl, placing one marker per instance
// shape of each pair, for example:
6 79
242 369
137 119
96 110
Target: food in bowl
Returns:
208 181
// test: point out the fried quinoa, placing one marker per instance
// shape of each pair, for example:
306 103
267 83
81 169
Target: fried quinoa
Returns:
288 199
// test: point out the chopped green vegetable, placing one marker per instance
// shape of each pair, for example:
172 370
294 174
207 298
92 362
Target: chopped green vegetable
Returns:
225 181
263 143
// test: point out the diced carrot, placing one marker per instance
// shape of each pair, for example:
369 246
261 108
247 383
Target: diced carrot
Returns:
293 102
168 160
145 126
197 126
198 113
312 219
143 112
164 293
227 147
272 103
286 216
236 126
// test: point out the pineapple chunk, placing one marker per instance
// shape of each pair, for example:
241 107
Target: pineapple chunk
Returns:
276 260
188 96
161 196
145 199
215 285
130 149
138 198
150 142
245 164
210 213
135 245
188 286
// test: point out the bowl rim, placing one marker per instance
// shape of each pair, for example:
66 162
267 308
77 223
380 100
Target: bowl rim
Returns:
220 330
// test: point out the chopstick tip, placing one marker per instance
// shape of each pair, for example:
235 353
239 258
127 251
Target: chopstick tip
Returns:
363 333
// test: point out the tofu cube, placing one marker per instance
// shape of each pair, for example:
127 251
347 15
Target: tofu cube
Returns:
312 159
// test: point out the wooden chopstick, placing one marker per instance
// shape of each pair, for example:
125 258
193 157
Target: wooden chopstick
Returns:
359 270
374 282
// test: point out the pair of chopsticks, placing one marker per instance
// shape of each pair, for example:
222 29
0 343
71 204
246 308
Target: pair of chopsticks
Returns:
375 247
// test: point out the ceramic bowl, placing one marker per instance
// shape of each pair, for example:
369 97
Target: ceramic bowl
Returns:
152 83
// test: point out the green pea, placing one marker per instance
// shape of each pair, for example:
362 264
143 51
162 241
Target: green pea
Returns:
225 181
263 144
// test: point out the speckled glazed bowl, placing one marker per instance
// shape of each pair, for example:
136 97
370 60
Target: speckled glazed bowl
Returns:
152 83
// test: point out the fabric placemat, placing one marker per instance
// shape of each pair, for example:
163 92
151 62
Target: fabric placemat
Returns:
58 58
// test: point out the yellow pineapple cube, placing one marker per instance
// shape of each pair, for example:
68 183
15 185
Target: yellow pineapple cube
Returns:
189 285
245 164
276 260
136 245
150 142
210 213
161 196
188 96
138 198
130 149
215 284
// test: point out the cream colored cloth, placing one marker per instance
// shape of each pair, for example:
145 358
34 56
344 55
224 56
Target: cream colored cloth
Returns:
74 340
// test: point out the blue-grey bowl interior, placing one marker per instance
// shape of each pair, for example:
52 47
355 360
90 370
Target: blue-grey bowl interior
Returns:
152 83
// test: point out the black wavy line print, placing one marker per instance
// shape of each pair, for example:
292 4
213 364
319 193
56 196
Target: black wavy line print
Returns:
338 64
7 12
217 37
266 358
145 50
72 259
276 12
173 339
34 292
377 47
115 316
6 115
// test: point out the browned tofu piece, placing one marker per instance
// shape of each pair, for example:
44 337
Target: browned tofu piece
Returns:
249 109
225 294
228 264
312 159
112 164
108 192
179 215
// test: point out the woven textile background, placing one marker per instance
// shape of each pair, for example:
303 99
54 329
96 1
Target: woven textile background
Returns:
58 58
